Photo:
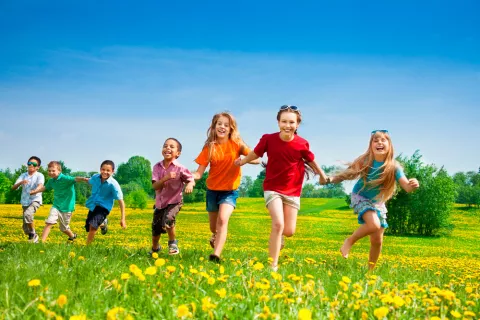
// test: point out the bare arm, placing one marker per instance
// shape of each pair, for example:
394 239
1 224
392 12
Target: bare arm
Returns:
251 157
16 185
123 223
159 184
81 179
408 185
316 168
189 186
38 189
197 175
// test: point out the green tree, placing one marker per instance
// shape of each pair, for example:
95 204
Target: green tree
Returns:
5 186
427 210
199 191
137 199
245 185
256 191
137 169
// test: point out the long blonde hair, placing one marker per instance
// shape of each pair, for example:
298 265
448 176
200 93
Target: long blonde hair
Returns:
233 135
360 167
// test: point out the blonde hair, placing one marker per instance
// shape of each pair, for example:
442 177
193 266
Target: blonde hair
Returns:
360 167
233 135
55 164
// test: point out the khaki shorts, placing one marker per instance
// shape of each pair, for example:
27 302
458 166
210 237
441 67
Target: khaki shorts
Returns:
288 200
63 218
28 213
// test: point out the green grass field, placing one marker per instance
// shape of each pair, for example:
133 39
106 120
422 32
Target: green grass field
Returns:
416 278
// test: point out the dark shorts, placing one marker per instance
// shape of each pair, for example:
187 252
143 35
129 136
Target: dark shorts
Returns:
216 198
165 218
96 217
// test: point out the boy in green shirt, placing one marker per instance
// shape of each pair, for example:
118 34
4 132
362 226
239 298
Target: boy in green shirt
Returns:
63 200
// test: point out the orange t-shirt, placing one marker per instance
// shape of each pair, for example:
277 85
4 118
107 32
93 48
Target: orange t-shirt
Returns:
223 174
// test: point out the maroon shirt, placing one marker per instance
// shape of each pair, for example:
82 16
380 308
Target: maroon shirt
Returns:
285 169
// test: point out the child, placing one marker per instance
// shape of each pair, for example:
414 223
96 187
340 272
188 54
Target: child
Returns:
63 200
29 181
288 154
105 189
377 171
222 147
168 178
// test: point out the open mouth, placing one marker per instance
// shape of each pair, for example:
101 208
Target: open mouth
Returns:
380 148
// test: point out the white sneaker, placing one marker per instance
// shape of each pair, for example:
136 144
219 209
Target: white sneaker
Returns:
35 238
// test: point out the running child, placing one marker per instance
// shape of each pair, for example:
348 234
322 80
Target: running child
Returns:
288 155
222 147
378 173
168 180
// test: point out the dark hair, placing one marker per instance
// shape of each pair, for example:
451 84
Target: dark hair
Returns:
178 143
108 163
55 164
37 159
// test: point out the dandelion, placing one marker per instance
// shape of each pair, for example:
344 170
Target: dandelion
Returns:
238 296
221 293
456 314
34 283
160 262
211 280
81 258
263 298
221 270
62 300
171 269
469 289
71 254
155 255
125 276
151 271
182 311
346 279
398 301
207 304
276 276
381 312
258 266
304 314
469 314
78 317
42 307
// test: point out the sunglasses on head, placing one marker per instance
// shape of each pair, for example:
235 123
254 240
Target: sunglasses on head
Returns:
285 107
32 164
382 131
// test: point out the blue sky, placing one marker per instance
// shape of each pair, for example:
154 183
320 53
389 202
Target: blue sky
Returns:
86 81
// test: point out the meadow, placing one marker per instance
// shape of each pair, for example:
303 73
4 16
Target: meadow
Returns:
115 278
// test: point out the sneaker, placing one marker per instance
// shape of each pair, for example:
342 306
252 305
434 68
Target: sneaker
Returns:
212 240
104 226
152 251
214 258
35 238
73 238
173 247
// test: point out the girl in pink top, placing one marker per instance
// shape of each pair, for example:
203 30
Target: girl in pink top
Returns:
288 154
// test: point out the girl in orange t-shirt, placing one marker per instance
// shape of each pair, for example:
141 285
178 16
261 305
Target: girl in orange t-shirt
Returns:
222 147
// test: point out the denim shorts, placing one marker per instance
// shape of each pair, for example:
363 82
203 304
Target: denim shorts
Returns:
360 205
216 198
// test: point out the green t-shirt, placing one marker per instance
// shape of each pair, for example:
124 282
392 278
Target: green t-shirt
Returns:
63 192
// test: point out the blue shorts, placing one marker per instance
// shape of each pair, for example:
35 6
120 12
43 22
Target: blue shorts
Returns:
216 198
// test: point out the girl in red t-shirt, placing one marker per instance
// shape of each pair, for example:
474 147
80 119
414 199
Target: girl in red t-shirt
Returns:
288 154
222 147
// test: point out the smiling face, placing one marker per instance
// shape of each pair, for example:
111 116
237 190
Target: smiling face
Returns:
222 128
170 150
288 123
380 146
106 171
53 171
32 166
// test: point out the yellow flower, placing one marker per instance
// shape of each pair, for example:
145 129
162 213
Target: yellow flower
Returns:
276 276
346 279
221 270
79 317
82 258
151 271
183 311
207 304
456 314
159 262
211 280
34 283
71 254
125 276
469 289
381 312
304 314
171 269
238 296
263 298
398 301
42 307
61 300
221 293
258 266
155 255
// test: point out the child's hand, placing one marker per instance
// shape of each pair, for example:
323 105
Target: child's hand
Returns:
238 162
171 175
24 182
188 188
123 223
32 192
322 180
413 183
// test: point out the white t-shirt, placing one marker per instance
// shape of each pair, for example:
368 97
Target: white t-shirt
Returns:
33 181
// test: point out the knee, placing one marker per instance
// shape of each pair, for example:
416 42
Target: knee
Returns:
288 232
278 226
376 240
221 223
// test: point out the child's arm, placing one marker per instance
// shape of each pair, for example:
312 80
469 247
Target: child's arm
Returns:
408 184
251 157
316 168
40 188
82 179
159 184
197 175
189 186
18 184
123 223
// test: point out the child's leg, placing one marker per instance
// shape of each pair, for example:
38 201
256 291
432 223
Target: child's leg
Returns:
171 233
290 218
64 223
275 208
212 217
91 235
46 231
376 242
224 213
371 225
155 241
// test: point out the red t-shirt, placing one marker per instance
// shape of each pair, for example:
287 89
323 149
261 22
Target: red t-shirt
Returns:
285 169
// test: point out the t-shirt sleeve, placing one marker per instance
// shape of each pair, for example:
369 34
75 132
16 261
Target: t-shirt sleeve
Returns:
20 178
155 173
399 173
261 146
307 155
186 175
41 178
90 181
202 158
71 180
48 185
117 191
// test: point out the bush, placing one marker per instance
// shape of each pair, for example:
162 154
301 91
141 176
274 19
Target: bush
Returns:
137 199
427 210
197 195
